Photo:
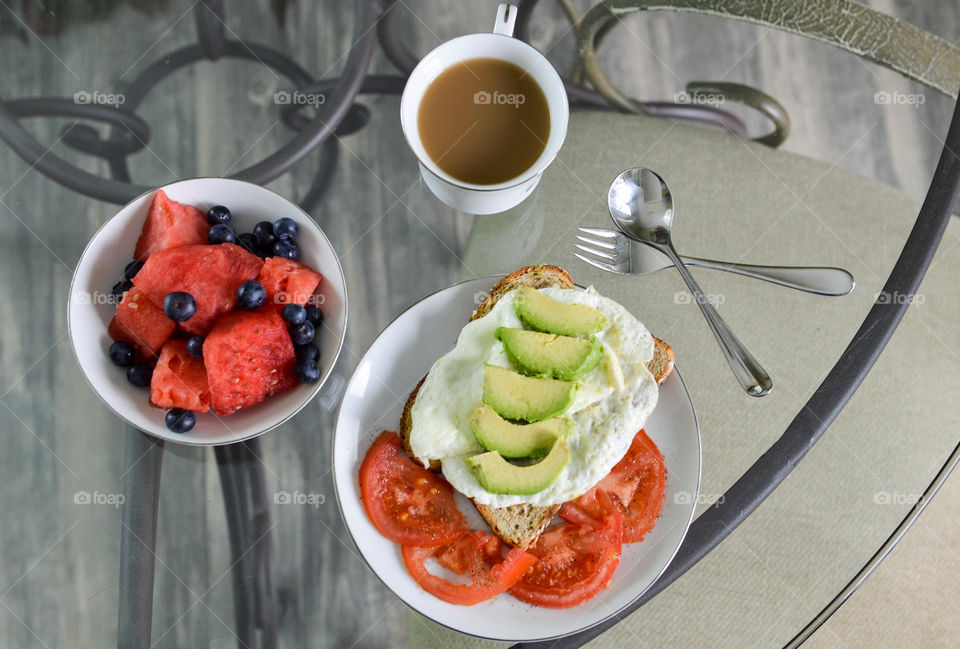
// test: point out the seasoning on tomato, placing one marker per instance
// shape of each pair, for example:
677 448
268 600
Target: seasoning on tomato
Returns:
576 561
644 507
405 501
476 555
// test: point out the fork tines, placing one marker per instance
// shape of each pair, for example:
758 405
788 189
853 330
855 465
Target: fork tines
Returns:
597 264
596 242
596 253
607 252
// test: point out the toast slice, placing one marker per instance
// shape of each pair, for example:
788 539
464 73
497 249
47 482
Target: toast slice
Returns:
521 525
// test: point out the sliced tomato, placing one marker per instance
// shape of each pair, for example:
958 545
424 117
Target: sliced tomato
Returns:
405 501
637 482
471 555
575 561
466 552
644 507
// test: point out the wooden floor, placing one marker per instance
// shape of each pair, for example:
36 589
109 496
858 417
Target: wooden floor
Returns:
58 559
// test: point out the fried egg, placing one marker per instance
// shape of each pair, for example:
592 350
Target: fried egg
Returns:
612 403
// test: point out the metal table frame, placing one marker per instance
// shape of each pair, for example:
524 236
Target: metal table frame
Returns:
257 600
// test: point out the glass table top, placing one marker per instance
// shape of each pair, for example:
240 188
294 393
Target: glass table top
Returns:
63 457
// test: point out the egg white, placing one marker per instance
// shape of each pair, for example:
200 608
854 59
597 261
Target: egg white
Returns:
611 405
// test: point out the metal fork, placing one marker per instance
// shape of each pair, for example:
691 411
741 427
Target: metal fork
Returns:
615 252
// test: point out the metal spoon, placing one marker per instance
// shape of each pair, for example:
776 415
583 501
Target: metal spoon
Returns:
641 205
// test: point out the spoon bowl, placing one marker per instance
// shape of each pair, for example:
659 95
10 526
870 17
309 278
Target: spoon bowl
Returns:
640 202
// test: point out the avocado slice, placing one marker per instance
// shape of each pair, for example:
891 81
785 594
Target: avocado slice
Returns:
516 440
548 355
542 313
498 476
531 399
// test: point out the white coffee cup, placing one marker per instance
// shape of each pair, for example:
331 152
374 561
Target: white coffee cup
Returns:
469 197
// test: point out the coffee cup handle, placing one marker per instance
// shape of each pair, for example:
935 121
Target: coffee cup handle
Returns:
506 19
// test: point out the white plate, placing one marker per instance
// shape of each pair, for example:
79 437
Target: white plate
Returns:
90 308
374 398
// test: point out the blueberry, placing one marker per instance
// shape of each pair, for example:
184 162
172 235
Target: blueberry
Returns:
307 352
294 314
140 374
307 371
179 306
121 353
195 346
132 269
251 295
247 241
218 214
302 333
120 288
263 234
179 420
285 249
314 316
285 229
221 233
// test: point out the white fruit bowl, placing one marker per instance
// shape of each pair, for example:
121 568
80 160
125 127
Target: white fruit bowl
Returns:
90 308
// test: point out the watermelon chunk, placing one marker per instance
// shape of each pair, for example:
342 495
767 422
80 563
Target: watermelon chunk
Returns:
288 281
141 323
249 357
179 380
211 274
170 224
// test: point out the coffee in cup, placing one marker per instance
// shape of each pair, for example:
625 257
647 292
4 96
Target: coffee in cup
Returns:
484 114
